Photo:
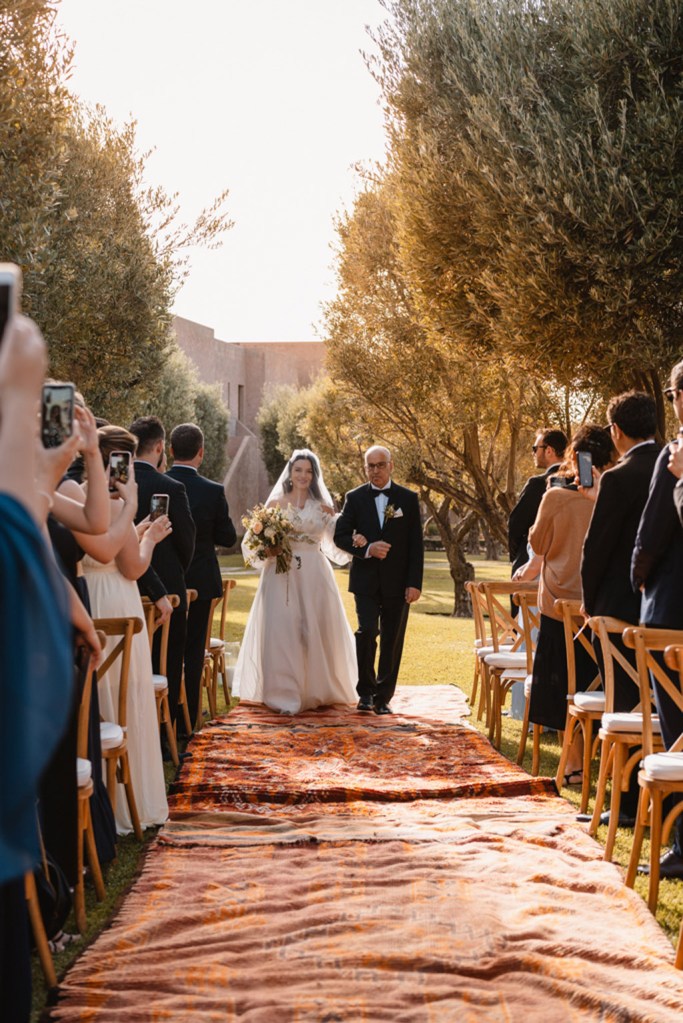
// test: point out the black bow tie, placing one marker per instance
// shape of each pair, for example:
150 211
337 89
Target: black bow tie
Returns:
377 492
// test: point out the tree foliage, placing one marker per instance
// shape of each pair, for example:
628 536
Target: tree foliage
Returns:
280 420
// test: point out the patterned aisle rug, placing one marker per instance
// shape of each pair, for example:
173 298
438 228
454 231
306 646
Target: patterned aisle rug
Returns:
339 868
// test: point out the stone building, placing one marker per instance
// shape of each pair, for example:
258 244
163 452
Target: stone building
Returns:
244 369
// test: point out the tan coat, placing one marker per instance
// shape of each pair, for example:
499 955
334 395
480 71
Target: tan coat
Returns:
558 534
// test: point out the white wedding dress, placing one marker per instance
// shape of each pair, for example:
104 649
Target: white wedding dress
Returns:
298 650
114 596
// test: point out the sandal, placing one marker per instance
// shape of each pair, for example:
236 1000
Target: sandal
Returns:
573 778
61 940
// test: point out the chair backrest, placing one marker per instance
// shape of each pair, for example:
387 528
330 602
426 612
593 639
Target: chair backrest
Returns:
531 623
574 624
84 705
647 642
477 611
504 627
604 626
673 658
124 629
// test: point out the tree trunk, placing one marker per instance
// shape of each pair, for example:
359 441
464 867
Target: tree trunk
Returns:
460 568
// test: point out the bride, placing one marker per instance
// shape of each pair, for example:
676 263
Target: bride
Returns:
298 650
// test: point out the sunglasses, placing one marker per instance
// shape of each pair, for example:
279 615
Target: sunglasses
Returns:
538 447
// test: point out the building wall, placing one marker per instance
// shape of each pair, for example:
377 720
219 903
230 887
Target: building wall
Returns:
252 365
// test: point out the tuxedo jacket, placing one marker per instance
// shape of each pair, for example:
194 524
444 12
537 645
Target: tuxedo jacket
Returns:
403 565
678 499
611 536
523 516
213 526
657 562
172 556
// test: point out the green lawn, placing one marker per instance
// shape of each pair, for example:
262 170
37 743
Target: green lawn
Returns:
438 651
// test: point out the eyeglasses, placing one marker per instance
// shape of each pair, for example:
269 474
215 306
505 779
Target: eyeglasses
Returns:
538 447
371 466
671 392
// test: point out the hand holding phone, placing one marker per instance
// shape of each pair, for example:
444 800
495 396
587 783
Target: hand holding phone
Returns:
57 414
119 469
584 461
158 506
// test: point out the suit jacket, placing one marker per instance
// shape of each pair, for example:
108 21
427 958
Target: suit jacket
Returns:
657 562
678 499
403 566
213 525
609 543
173 555
523 516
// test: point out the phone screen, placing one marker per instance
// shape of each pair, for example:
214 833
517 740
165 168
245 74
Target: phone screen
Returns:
10 290
119 469
5 306
57 414
158 506
585 463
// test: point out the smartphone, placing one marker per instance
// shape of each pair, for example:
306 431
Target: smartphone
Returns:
559 481
57 414
10 293
158 506
584 461
119 469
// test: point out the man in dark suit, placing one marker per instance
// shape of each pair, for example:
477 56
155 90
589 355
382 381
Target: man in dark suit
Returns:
171 558
386 573
608 547
657 571
213 525
548 449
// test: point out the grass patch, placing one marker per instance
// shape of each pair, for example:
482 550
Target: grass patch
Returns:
438 651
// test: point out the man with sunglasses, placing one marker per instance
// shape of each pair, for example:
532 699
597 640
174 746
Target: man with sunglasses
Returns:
657 571
548 450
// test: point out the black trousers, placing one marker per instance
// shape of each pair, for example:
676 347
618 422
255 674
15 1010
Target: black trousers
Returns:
386 618
175 654
197 622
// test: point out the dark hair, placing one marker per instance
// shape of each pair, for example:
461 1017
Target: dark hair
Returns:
635 413
554 439
597 440
677 376
186 441
149 430
297 456
115 438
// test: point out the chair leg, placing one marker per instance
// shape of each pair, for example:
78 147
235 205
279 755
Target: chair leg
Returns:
525 732
494 683
655 847
536 751
587 733
642 818
39 935
678 963
79 887
475 683
93 858
182 702
130 795
564 753
606 750
170 731
111 781
615 800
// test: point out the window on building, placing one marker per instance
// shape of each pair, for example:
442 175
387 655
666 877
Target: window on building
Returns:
240 402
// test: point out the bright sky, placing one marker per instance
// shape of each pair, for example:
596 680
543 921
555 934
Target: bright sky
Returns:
269 98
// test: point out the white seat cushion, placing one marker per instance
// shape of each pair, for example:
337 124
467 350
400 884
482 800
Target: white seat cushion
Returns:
664 766
484 651
216 644
589 701
627 722
527 686
507 659
111 735
516 674
160 682
83 771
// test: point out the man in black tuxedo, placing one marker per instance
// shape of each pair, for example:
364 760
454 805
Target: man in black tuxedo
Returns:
213 525
657 571
548 449
171 558
386 573
608 547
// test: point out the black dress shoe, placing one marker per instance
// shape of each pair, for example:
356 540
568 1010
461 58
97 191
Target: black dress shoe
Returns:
365 705
624 821
670 865
383 708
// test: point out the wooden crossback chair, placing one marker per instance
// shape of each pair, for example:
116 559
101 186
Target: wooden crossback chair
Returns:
85 791
531 619
482 646
114 742
215 645
153 622
661 773
507 663
182 696
621 734
583 708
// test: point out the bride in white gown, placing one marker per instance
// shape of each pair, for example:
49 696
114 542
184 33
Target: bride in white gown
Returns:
298 650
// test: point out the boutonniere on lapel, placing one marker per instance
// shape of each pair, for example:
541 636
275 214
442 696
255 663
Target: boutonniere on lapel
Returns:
390 512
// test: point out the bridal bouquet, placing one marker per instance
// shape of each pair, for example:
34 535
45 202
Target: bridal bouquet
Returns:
267 535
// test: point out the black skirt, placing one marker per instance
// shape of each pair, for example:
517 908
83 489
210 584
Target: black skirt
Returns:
548 704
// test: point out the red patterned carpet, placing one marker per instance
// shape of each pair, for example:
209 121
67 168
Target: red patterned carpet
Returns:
332 867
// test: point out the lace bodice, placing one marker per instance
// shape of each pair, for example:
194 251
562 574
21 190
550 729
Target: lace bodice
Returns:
310 523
